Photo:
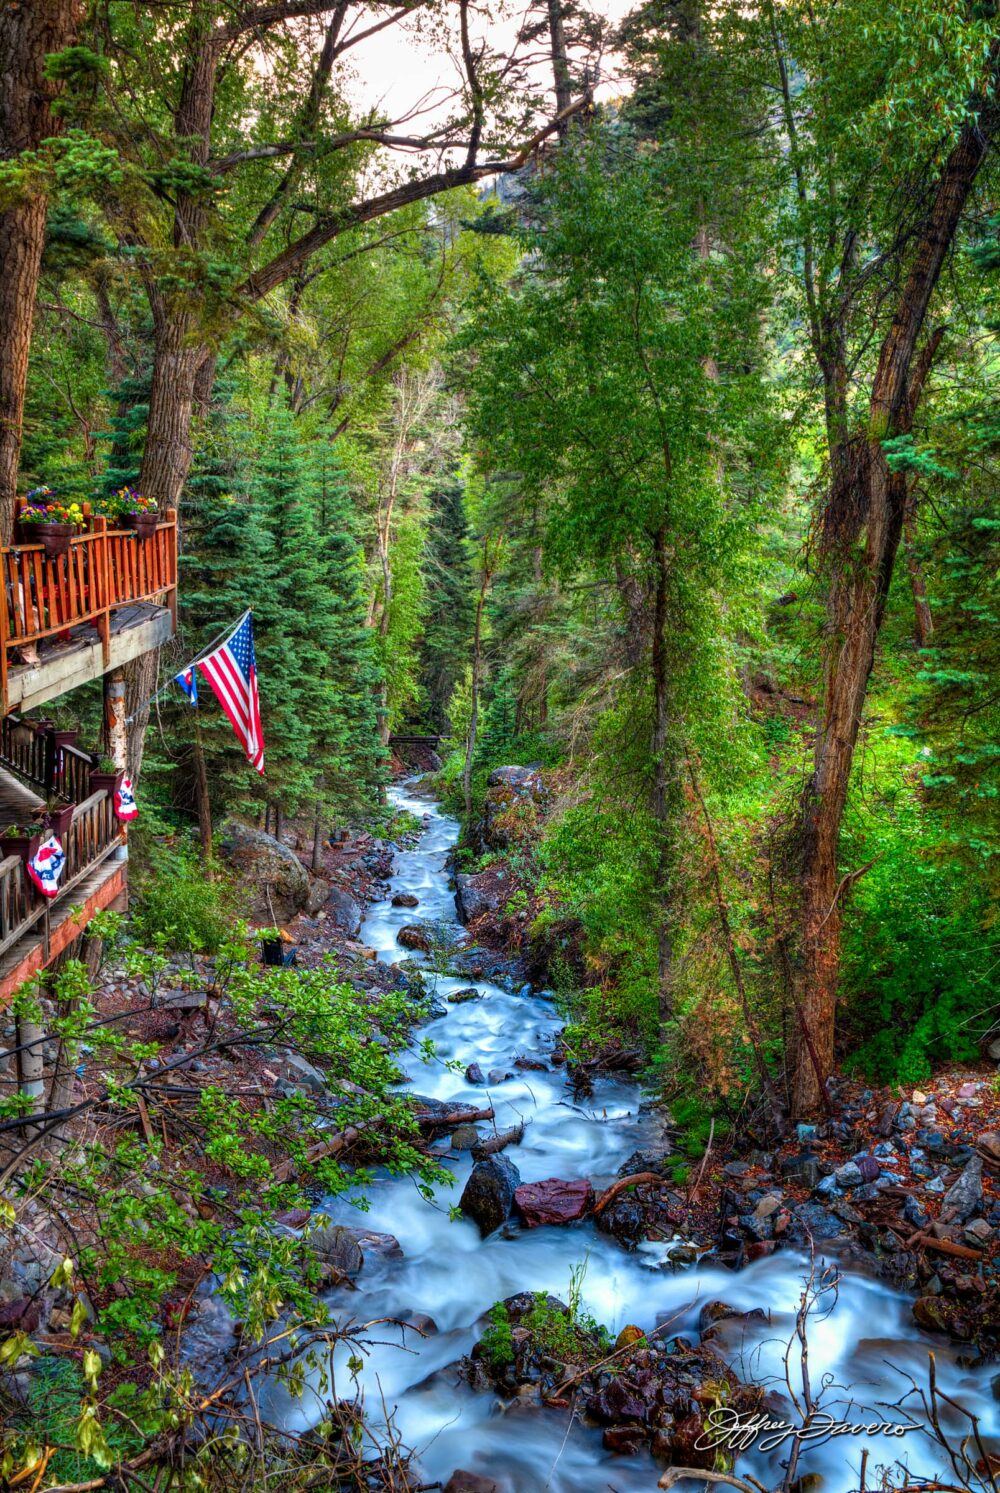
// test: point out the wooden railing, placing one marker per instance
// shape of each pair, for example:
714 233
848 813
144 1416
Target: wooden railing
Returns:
93 835
41 596
35 753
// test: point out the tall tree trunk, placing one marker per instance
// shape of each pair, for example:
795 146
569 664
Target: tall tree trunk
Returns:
203 799
316 863
489 563
28 33
560 60
662 777
859 539
923 621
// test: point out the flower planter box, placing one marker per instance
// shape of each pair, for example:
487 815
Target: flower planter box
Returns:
55 537
144 524
110 781
60 820
23 845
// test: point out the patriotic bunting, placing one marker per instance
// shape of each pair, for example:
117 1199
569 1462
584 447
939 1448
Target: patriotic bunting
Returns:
47 865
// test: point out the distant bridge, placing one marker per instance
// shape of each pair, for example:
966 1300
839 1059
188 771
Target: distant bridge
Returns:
420 743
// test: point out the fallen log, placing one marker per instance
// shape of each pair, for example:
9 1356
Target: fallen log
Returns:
498 1142
330 1147
652 1179
434 1120
944 1247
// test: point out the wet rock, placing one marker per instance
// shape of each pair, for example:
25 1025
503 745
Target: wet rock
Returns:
469 1482
459 997
625 1440
964 1197
811 1220
293 1218
625 1220
715 1311
932 1313
499 1075
420 1322
849 1175
476 895
344 912
464 1138
531 1065
629 1336
756 1227
474 1074
869 1168
411 936
553 1201
645 1161
489 1193
405 899
337 1248
384 1246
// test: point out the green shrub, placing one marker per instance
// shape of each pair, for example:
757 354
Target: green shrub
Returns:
178 906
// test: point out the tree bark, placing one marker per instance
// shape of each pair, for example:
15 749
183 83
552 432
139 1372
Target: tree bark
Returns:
485 577
923 620
28 33
859 538
203 800
662 776
316 863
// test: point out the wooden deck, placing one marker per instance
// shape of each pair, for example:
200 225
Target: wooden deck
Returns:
34 929
111 598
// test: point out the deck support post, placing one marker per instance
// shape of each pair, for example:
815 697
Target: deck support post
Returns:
116 733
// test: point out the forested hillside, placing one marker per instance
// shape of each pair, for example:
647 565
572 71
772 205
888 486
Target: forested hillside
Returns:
619 416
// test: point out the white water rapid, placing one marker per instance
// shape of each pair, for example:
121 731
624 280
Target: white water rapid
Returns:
866 1342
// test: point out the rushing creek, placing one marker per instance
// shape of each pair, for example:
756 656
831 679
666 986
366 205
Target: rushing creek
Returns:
864 1339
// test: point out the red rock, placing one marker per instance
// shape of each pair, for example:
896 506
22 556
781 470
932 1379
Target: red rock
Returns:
294 1218
553 1201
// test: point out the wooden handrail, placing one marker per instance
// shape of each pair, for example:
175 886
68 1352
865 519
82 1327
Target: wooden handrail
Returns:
94 834
102 570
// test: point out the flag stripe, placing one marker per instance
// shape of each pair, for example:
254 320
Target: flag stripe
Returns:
232 673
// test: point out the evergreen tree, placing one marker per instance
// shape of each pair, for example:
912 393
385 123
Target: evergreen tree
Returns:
449 624
352 758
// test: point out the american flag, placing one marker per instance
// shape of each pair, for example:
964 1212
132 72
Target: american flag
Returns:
232 672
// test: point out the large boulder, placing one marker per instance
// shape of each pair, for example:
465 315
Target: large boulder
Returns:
344 912
489 1193
515 800
476 895
553 1201
274 878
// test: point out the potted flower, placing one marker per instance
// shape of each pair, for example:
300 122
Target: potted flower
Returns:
47 520
130 510
20 839
104 774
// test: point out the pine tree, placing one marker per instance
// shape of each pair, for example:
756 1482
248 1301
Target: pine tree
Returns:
352 756
445 648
